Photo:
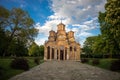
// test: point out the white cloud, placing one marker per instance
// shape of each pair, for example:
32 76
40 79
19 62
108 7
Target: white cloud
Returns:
77 10
40 41
85 34
80 14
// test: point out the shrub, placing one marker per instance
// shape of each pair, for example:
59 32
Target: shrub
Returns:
95 61
1 72
84 60
37 60
115 65
20 63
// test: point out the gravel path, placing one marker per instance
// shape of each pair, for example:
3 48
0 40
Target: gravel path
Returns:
66 70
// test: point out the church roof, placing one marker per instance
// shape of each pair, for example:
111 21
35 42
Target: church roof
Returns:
61 24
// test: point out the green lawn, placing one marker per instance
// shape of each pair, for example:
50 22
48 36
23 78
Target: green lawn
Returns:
6 71
104 63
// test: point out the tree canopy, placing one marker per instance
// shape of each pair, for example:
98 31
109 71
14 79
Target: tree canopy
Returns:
35 50
110 26
17 26
108 42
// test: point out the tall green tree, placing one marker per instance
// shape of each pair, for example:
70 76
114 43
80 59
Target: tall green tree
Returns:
110 26
18 26
3 40
4 14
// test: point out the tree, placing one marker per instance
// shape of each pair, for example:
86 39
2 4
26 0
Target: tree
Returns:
41 50
113 19
99 47
2 41
34 50
88 45
18 26
4 14
109 40
17 48
110 26
94 46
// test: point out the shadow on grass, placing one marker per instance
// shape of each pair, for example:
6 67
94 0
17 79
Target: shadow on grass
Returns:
7 72
103 63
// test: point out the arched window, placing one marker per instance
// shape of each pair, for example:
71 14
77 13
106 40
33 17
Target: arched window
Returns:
75 48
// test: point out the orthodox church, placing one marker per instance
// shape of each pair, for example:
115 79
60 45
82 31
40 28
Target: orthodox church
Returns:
61 45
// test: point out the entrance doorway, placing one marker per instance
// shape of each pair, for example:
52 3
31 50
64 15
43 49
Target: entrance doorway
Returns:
48 52
61 54
57 55
52 53
65 53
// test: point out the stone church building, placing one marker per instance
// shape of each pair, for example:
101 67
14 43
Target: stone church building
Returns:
61 45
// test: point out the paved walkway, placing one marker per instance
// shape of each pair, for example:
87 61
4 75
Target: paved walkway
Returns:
66 70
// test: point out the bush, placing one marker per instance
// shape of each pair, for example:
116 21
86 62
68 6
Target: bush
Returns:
115 65
95 61
84 60
1 72
37 60
20 63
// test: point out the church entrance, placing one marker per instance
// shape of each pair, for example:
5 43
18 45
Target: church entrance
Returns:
61 54
52 53
48 52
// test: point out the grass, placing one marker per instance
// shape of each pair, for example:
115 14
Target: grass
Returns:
104 63
8 72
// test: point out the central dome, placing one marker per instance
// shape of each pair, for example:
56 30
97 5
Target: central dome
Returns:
61 26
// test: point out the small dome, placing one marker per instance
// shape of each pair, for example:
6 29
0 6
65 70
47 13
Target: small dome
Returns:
61 26
52 31
70 32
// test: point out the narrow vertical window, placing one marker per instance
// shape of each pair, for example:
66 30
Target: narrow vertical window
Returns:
70 48
74 48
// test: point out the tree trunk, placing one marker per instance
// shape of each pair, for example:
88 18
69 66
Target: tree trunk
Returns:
110 55
5 51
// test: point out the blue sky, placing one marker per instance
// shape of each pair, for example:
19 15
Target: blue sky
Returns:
78 15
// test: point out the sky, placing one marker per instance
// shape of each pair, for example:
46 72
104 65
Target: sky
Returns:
80 16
